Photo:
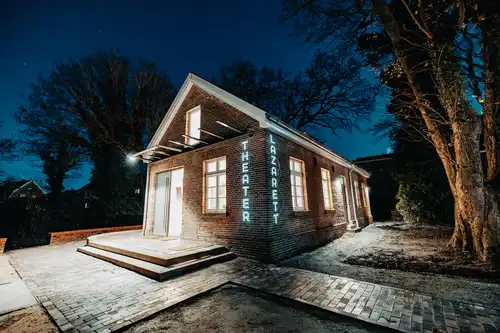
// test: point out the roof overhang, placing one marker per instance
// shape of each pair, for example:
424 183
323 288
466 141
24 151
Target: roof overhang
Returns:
264 119
212 89
302 140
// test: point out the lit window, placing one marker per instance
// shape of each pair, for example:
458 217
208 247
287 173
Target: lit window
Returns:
357 194
86 205
327 189
215 185
193 125
137 191
365 194
297 178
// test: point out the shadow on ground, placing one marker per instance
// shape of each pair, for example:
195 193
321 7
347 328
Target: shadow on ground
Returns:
235 309
404 257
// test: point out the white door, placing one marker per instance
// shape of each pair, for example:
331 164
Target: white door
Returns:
347 212
161 203
175 214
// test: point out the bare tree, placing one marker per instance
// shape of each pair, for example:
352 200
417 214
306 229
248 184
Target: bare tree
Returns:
454 128
104 106
331 94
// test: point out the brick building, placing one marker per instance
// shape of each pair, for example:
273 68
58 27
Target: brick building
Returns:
223 171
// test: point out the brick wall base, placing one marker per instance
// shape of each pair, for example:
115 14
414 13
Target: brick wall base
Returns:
294 244
73 235
2 244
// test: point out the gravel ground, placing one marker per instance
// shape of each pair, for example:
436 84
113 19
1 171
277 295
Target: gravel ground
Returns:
234 309
30 320
381 243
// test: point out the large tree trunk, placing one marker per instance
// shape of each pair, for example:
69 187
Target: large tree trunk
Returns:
476 204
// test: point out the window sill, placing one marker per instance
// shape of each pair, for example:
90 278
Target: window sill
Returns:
215 214
301 212
329 211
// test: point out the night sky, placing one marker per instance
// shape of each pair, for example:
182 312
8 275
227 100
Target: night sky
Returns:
180 36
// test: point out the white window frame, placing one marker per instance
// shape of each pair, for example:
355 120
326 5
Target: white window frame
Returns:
364 189
293 183
189 141
327 192
357 193
217 173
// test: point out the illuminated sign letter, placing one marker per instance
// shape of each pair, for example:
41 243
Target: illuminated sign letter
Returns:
245 181
274 178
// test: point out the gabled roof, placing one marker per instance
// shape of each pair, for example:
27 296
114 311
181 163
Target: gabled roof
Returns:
212 89
26 184
265 121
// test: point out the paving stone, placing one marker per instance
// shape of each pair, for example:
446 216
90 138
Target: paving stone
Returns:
97 296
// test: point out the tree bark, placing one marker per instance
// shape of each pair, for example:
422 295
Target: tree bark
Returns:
476 206
476 202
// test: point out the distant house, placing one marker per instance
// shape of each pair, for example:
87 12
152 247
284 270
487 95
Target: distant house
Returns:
383 187
7 186
29 190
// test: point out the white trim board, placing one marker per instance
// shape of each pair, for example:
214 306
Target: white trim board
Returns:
315 147
223 95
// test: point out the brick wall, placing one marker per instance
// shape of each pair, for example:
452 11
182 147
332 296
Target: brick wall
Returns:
2 244
246 239
298 231
73 235
260 237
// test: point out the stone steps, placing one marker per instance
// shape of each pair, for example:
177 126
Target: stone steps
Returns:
155 271
160 259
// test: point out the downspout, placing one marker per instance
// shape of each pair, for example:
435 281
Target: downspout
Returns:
146 203
354 208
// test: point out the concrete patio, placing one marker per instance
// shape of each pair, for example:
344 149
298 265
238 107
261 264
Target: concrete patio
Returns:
159 258
84 294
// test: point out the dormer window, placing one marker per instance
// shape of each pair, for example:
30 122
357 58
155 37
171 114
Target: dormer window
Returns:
193 124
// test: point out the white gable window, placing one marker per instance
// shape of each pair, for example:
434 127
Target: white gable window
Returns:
297 180
215 185
193 124
327 189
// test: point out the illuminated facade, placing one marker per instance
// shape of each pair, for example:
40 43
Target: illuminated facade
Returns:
246 180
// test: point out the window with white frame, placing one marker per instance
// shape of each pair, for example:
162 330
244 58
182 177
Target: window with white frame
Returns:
357 194
297 179
327 189
215 185
364 190
193 124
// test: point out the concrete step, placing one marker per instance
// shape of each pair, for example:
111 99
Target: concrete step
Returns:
154 271
161 259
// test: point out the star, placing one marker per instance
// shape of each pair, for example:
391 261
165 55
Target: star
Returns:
25 63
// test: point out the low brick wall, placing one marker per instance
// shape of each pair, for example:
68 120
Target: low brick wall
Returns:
2 244
72 235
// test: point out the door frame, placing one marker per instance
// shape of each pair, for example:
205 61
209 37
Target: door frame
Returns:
345 198
167 196
170 201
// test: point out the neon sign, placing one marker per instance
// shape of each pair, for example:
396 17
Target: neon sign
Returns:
245 181
274 178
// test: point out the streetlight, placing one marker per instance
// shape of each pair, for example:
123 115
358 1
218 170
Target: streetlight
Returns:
131 159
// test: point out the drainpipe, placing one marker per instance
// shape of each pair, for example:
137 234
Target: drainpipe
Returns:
354 207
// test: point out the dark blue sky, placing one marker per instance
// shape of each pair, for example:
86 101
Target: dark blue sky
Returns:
180 36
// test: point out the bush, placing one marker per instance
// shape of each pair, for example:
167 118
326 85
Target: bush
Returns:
27 222
423 202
